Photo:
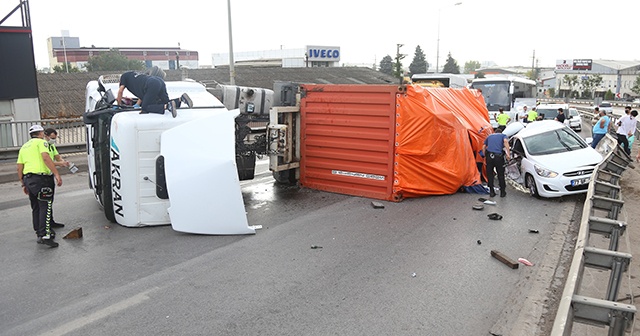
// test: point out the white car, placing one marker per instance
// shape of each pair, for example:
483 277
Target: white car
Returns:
606 107
553 160
575 119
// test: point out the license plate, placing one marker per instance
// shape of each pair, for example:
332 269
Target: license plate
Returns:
580 181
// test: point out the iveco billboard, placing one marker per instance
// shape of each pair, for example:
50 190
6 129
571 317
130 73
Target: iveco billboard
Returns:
323 54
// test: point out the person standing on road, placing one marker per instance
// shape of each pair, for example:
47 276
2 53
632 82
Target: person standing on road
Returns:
525 115
560 117
601 128
495 147
37 172
50 135
533 115
502 118
626 128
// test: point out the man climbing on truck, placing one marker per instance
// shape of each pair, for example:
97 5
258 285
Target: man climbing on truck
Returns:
151 92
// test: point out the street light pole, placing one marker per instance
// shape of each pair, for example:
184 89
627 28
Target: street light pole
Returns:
438 45
232 70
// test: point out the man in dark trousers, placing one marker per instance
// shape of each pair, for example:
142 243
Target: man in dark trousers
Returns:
51 135
495 147
150 90
37 172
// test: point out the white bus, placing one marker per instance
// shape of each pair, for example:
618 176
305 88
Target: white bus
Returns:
502 92
440 80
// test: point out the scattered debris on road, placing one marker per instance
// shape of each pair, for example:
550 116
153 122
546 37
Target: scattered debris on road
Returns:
533 231
478 207
313 247
377 205
525 261
479 242
74 234
504 259
495 216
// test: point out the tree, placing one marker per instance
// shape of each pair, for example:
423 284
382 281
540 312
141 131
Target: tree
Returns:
419 63
479 74
386 65
112 60
571 80
60 68
397 67
551 92
451 66
609 95
471 66
589 85
636 86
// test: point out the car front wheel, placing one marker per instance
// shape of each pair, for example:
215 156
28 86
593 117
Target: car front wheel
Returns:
531 183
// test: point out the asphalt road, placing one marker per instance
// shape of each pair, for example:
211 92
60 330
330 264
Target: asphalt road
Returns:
414 267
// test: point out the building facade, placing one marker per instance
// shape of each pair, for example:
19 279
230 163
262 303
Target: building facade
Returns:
617 76
309 57
66 49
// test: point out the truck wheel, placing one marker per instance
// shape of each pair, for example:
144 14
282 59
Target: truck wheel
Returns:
287 177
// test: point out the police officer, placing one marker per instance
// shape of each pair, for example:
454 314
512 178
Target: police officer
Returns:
502 119
37 172
50 135
494 146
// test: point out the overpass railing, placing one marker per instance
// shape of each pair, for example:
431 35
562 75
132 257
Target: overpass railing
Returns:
599 216
13 134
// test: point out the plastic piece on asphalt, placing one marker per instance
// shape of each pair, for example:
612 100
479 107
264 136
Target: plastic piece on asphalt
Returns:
377 205
73 168
478 207
525 262
413 275
482 199
533 231
494 216
313 247
490 202
479 242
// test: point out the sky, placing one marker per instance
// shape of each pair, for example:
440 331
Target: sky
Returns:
505 32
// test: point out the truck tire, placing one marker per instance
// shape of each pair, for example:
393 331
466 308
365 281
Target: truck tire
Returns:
287 177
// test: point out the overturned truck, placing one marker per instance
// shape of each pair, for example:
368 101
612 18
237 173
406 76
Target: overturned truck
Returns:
379 141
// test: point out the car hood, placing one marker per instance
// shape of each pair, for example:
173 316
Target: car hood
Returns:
568 161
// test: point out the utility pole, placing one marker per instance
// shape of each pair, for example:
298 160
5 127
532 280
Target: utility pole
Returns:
232 70
533 65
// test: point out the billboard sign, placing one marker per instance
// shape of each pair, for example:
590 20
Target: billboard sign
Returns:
582 64
323 54
574 64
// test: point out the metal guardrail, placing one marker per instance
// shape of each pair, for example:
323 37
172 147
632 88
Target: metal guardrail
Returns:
71 135
599 216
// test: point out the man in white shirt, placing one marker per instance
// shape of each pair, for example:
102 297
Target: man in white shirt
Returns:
626 128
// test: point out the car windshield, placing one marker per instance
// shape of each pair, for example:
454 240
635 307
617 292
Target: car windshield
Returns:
605 105
552 142
496 95
573 112
549 113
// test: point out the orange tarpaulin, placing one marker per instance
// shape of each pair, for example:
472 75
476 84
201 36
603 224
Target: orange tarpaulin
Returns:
438 132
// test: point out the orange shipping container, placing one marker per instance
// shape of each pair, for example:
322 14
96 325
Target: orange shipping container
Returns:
390 142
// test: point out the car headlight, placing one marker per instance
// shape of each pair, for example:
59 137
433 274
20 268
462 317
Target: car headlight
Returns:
544 172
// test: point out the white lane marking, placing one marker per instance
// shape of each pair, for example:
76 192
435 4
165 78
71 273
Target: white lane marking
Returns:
100 314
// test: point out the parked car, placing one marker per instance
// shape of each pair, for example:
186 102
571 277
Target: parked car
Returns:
606 107
575 119
553 160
